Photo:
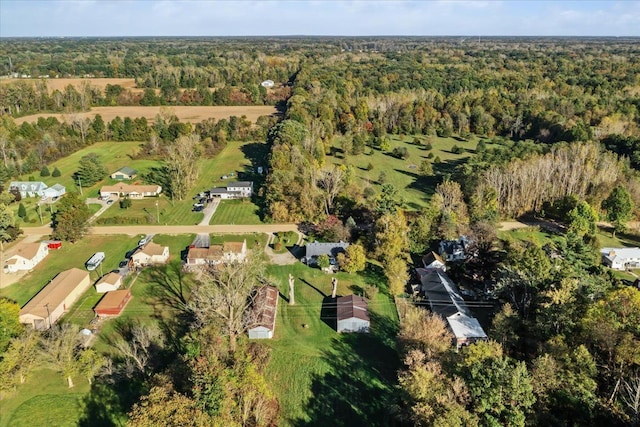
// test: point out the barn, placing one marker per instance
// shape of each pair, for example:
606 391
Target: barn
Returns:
112 303
352 314
265 307
55 299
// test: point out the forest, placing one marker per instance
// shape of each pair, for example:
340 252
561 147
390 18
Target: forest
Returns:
551 132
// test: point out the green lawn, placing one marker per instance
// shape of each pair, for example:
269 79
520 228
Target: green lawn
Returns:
403 174
322 377
44 400
242 212
254 240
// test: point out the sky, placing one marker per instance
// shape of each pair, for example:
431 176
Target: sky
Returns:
118 18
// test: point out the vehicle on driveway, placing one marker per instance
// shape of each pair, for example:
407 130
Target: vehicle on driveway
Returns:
110 201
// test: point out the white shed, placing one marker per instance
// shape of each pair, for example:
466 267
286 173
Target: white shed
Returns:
265 307
109 282
353 314
55 190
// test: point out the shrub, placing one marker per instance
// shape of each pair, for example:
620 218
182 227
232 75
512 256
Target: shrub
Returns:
401 153
382 178
277 246
430 156
457 150
22 211
45 171
56 173
323 261
428 146
370 166
370 292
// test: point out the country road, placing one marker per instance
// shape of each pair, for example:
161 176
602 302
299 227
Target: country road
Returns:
134 230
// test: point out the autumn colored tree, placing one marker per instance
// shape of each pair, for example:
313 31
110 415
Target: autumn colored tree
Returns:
71 219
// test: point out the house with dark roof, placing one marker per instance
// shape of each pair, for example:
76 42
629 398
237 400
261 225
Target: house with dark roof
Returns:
352 314
446 301
454 250
315 249
124 173
264 310
233 190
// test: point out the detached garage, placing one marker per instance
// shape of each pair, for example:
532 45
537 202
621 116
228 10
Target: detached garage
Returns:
353 314
112 303
265 307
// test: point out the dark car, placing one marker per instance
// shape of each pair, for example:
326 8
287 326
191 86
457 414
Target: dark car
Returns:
123 263
109 201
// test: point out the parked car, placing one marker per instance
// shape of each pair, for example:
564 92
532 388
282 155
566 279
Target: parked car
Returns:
110 201
123 263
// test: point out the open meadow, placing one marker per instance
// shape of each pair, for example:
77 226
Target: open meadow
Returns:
377 167
184 113
61 83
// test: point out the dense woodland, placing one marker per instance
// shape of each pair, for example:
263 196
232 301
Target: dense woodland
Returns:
563 119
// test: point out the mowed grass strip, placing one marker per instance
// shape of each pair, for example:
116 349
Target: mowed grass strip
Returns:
306 349
241 212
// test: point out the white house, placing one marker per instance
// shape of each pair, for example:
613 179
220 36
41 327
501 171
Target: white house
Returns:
621 258
151 253
265 307
233 190
215 254
352 314
55 190
26 257
109 282
28 188
133 191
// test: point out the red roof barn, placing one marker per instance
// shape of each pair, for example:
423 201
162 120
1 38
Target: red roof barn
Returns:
113 303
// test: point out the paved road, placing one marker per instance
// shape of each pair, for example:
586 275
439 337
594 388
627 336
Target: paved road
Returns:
134 230
209 211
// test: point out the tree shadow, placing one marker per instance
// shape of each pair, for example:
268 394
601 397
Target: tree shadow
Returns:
107 404
359 387
170 286
312 286
329 312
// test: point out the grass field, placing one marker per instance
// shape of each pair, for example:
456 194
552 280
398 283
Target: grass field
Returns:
191 114
236 212
324 378
44 400
403 174
61 84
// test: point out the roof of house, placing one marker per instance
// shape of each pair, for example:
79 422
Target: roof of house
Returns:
111 278
213 252
321 248
127 170
113 299
57 187
430 258
443 294
620 253
28 250
55 292
234 247
265 306
240 184
28 185
151 249
464 326
352 306
130 188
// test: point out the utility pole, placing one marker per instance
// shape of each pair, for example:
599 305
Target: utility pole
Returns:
39 212
157 212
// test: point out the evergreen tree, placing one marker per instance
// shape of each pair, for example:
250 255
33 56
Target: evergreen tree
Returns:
56 173
44 171
22 211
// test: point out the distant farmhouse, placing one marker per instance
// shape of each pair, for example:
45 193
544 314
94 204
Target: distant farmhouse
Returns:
36 189
621 258
315 249
352 314
216 254
55 299
445 301
133 191
124 173
233 190
26 257
264 309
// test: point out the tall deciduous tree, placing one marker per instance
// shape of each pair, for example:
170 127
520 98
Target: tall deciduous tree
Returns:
353 260
71 220
182 165
619 207
331 181
19 359
10 325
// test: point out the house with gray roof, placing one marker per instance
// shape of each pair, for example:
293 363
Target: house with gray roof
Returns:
233 190
621 258
446 301
28 188
315 249
55 190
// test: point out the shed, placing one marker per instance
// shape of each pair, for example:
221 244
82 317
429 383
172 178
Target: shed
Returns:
54 244
352 314
109 282
55 299
265 307
124 173
112 303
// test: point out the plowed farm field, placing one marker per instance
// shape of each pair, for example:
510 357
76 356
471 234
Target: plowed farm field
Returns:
184 113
